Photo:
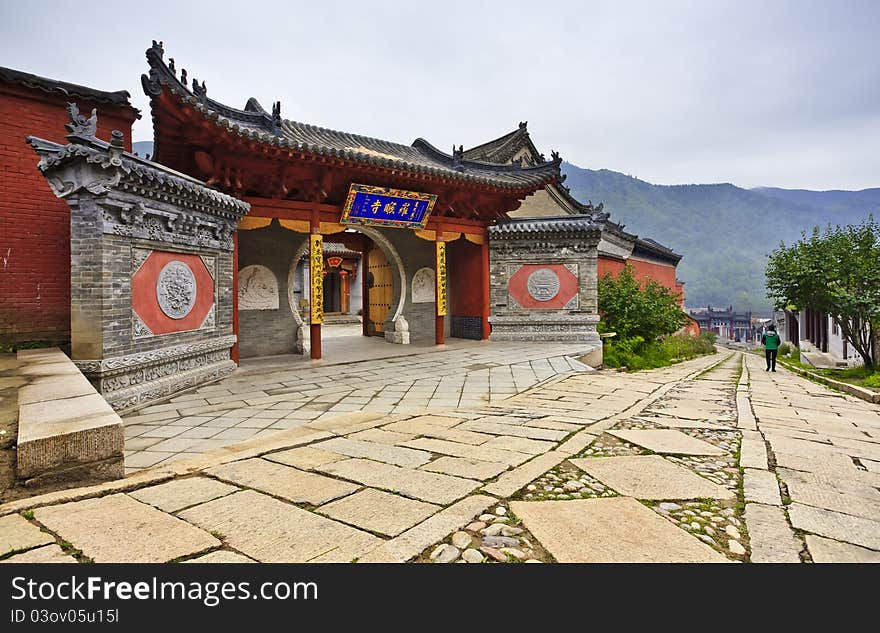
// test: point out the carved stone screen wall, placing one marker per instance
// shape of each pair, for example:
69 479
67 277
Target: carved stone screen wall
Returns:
543 279
151 269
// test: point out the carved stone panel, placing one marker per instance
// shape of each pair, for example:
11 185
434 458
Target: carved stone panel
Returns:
423 286
176 289
543 284
257 289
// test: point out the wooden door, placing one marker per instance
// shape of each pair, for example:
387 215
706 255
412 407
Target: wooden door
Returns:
380 291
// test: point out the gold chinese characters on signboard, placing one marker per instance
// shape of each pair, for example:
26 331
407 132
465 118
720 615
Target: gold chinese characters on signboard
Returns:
441 278
316 272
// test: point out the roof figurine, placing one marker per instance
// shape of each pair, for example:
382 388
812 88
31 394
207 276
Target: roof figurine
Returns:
79 125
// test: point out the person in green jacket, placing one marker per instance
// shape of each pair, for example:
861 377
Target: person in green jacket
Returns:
771 342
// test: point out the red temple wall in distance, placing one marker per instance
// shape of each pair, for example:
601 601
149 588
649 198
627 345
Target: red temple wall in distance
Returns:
661 273
465 270
34 224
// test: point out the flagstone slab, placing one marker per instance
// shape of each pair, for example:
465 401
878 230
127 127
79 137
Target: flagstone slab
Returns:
437 420
554 424
455 449
283 481
651 477
833 464
500 428
761 486
681 423
415 427
415 540
825 550
830 498
468 468
271 531
431 487
182 493
46 554
119 529
753 453
577 442
771 538
513 480
835 525
692 413
220 556
667 441
397 455
17 533
304 457
379 512
382 436
843 485
613 530
519 444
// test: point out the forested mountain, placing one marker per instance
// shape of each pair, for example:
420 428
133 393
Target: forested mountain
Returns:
724 232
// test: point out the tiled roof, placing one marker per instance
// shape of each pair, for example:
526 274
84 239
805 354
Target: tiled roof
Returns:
53 86
504 148
254 123
558 224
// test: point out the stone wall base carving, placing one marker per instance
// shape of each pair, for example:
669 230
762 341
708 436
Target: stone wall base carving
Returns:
137 380
548 327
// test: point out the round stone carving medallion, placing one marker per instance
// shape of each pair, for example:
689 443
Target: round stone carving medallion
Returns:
543 284
176 289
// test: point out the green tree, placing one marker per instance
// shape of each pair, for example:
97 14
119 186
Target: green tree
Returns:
632 309
836 271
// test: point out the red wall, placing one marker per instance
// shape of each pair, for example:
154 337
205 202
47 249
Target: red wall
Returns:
34 224
465 270
661 273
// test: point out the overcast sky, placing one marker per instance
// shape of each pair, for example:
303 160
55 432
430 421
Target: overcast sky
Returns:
754 93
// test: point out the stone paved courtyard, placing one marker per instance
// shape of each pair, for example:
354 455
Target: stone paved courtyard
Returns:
270 394
711 460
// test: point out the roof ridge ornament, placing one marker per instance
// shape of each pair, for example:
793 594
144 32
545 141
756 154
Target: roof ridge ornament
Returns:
79 125
276 113
199 91
458 157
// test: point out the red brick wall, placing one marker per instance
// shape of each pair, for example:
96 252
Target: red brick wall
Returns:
34 224
661 273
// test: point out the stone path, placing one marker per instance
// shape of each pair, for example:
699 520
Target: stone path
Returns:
748 467
268 395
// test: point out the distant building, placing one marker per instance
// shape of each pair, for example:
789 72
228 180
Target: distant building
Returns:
617 248
819 335
727 324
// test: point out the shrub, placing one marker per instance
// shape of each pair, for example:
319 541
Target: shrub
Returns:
631 310
785 349
873 381
636 354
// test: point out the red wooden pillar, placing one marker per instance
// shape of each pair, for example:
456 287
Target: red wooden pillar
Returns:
484 252
365 286
440 295
314 328
234 352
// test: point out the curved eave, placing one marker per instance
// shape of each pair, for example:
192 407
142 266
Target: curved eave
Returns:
542 177
523 180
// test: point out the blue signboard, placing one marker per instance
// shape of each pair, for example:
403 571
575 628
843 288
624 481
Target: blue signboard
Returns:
380 206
